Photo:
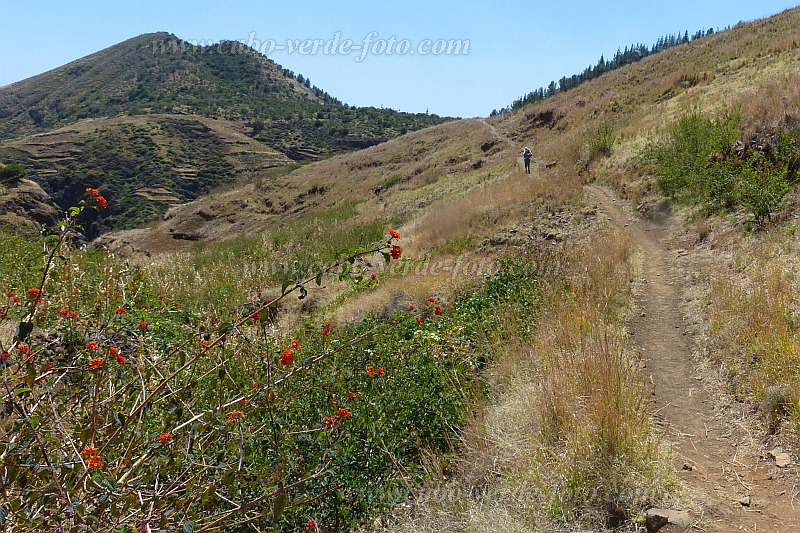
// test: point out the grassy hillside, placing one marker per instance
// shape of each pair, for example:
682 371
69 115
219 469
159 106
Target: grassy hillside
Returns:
159 73
279 370
155 121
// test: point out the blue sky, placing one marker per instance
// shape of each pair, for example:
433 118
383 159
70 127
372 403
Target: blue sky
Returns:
514 47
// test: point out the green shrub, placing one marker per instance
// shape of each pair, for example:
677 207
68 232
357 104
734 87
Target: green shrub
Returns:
696 163
602 142
12 173
760 186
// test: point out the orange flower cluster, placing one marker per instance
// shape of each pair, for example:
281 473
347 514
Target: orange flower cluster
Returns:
396 252
371 370
287 357
394 234
234 416
95 363
164 437
92 346
94 461
89 451
295 344
326 329
332 421
102 203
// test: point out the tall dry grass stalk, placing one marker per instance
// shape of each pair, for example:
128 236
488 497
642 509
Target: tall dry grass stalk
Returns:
755 328
565 435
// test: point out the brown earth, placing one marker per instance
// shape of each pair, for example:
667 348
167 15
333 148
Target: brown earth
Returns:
719 450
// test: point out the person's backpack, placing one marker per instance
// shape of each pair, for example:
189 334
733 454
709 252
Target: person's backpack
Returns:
527 152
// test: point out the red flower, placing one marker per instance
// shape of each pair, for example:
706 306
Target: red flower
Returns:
73 314
89 451
113 350
380 370
63 312
121 310
394 234
92 346
161 297
411 307
95 363
256 317
120 360
419 320
24 348
95 461
142 325
351 394
257 384
233 416
295 344
205 344
396 252
287 357
370 370
431 299
101 202
164 437
374 276
437 310
33 292
326 329
343 413
93 192
48 367
312 525
330 422
5 356
176 305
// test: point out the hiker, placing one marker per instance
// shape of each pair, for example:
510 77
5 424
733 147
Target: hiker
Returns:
527 154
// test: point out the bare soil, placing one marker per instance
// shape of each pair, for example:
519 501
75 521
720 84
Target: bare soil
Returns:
719 448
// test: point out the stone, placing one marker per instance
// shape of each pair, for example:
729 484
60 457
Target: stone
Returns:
783 460
658 518
745 501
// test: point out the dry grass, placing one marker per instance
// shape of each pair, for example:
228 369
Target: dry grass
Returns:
755 323
566 436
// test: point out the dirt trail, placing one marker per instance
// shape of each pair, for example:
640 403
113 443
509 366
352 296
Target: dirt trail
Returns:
505 139
716 453
497 133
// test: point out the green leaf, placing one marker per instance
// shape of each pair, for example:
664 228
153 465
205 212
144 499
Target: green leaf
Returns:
386 257
280 505
74 211
319 279
189 526
285 285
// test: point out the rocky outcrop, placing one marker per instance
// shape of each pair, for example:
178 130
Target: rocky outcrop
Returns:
23 204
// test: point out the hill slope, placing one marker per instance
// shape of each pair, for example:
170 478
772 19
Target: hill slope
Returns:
159 73
155 121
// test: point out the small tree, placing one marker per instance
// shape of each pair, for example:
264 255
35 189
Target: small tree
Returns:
12 173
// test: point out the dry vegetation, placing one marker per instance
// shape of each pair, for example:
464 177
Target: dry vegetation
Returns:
565 437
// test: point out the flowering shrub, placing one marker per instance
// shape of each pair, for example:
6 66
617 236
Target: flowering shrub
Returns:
122 411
